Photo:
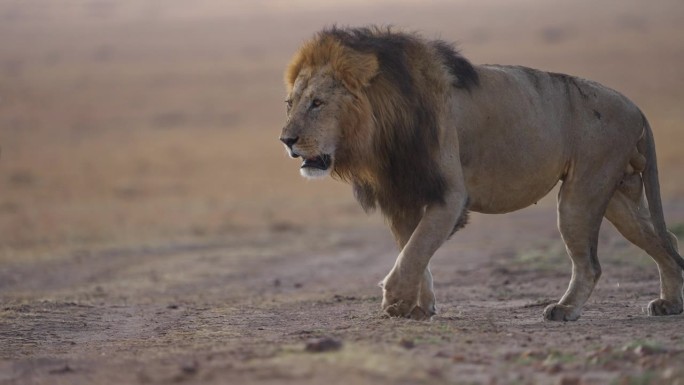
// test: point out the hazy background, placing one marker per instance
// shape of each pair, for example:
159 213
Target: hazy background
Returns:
150 122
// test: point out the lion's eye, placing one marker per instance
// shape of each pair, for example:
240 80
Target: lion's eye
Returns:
316 103
289 104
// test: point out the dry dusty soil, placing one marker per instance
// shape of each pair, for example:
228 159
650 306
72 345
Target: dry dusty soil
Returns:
152 231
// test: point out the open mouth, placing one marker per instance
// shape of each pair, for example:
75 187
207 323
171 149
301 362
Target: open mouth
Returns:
321 162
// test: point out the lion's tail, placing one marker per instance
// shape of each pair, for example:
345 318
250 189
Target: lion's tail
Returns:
652 187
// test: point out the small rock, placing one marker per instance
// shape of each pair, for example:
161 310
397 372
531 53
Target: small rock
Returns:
324 344
63 370
569 380
407 344
190 367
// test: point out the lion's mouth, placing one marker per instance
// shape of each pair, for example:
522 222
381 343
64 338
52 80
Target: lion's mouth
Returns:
321 162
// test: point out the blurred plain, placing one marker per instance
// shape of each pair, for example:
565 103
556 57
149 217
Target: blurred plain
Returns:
134 121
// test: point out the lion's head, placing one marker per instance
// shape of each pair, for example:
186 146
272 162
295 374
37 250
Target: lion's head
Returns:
325 82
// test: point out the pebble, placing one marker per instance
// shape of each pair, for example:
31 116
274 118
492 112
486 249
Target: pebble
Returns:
324 344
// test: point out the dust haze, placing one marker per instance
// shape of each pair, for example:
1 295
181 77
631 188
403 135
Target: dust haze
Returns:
153 230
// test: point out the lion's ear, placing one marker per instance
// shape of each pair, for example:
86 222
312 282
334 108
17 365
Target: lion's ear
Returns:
355 69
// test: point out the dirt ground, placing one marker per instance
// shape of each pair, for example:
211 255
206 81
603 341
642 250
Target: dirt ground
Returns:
153 231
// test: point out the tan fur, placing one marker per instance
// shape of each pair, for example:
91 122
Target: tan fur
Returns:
491 139
352 68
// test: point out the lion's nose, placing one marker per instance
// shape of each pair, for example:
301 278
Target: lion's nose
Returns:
289 142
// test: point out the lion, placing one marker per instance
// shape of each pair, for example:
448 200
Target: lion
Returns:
426 136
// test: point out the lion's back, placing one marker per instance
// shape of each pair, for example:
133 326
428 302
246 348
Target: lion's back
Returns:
565 93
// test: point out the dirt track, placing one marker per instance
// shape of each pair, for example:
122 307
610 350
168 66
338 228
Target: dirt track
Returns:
242 312
152 230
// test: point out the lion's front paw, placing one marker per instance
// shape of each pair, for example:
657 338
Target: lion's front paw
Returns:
403 304
558 312
397 308
664 307
401 309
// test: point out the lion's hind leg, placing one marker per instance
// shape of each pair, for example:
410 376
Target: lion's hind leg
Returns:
581 205
627 211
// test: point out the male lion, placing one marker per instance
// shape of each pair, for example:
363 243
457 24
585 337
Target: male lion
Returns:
425 135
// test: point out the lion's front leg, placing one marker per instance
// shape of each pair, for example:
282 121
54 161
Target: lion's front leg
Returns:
407 289
403 225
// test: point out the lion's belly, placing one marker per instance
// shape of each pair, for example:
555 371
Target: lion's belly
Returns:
494 196
530 164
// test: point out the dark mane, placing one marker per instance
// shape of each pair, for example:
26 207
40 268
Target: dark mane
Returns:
391 127
460 67
405 104
389 46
